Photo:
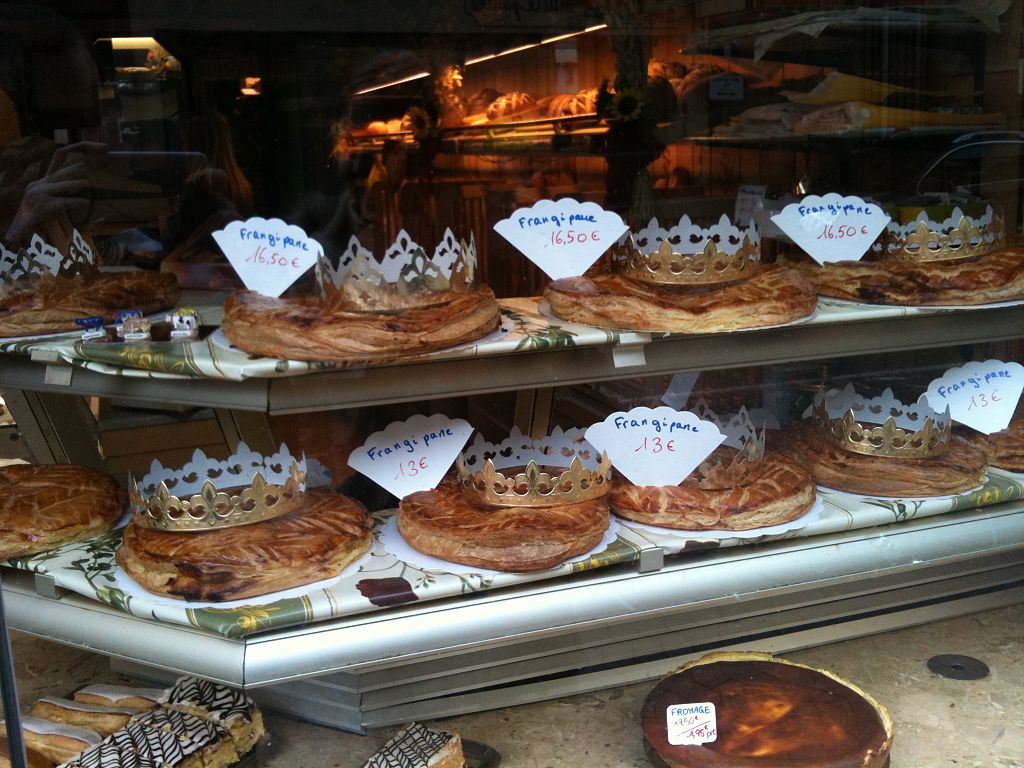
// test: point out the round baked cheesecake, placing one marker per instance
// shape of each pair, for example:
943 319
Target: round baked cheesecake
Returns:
442 523
314 542
769 713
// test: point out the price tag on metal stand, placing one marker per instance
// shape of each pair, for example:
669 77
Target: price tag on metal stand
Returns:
563 238
832 227
268 255
655 446
411 455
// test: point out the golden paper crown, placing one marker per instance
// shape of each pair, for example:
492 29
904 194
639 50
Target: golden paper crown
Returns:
882 426
207 494
688 254
483 479
738 461
958 237
405 268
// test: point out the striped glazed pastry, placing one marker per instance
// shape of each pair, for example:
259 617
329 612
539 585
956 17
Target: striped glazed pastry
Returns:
224 705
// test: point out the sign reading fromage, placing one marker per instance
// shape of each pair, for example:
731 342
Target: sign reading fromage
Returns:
983 396
268 255
655 446
832 227
411 455
691 723
562 237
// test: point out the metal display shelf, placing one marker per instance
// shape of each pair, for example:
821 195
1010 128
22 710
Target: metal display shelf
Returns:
592 630
524 370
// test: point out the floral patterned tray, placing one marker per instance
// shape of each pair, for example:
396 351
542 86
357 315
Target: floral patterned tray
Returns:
524 328
383 580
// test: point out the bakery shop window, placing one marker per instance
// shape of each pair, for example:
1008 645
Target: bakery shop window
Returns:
385 120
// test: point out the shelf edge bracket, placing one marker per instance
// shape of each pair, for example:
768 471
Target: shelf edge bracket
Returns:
629 351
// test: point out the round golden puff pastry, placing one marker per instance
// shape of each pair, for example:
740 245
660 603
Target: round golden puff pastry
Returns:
781 492
770 712
308 329
771 296
1004 449
44 507
994 277
54 303
441 523
961 468
314 542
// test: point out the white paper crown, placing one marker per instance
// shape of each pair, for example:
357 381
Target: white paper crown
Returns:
41 258
206 493
405 266
901 430
731 469
482 480
688 254
958 237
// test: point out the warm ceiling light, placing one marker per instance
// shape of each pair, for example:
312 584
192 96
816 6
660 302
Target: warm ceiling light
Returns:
410 78
134 43
252 86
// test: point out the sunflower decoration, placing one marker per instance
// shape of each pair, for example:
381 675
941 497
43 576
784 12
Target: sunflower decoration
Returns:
626 106
419 122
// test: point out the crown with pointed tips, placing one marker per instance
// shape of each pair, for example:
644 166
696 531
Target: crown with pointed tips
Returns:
405 269
882 426
958 237
561 468
206 493
688 254
739 460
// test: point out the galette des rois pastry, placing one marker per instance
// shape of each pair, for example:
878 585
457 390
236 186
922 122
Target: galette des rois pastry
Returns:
369 311
881 446
686 279
531 506
46 506
740 486
216 531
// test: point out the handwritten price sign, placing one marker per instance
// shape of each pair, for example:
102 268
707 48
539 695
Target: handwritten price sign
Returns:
691 723
655 446
833 227
572 237
983 396
563 238
268 255
411 455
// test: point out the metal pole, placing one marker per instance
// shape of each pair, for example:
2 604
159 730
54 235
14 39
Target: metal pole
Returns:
9 690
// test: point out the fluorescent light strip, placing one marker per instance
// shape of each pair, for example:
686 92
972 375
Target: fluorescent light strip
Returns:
132 43
410 78
555 39
488 57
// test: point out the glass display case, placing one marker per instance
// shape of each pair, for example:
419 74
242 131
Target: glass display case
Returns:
300 204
